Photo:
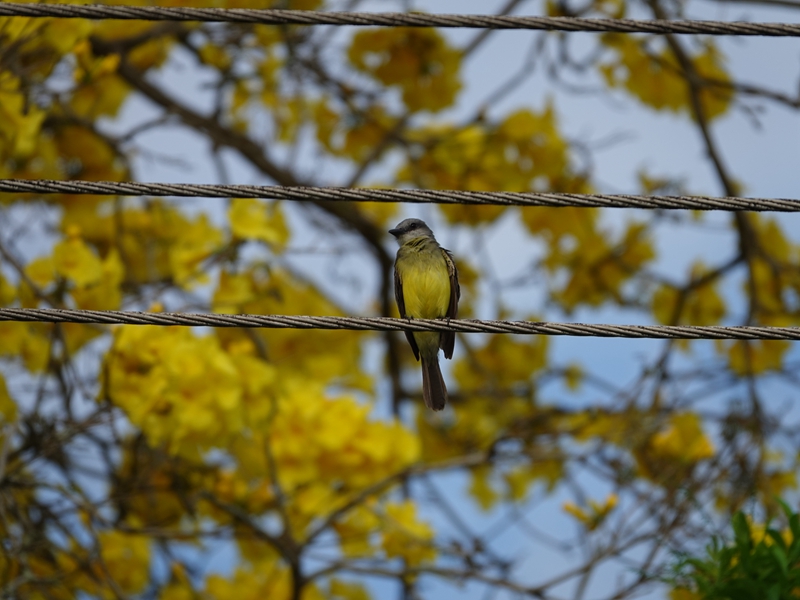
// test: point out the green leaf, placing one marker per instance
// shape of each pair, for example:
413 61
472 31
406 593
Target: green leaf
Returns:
741 529
794 526
774 593
777 538
781 558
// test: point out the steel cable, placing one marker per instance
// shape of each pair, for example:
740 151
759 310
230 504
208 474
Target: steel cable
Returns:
362 19
399 195
686 332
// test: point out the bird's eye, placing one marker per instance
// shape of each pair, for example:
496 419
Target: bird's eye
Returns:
412 226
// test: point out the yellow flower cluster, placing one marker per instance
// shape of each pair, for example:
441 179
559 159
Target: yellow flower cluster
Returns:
67 573
8 408
325 357
497 381
683 439
180 389
670 455
665 453
354 136
595 514
701 305
625 429
19 124
502 363
747 358
191 394
125 559
418 62
73 275
656 78
596 262
266 579
404 536
523 152
251 219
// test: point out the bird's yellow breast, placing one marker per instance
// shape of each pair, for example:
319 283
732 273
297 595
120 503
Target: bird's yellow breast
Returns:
426 282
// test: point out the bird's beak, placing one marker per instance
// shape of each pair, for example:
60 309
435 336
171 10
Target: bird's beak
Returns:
395 232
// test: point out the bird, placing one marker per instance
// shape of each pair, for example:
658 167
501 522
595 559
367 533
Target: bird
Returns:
426 287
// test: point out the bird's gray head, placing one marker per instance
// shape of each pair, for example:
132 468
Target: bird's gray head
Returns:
411 229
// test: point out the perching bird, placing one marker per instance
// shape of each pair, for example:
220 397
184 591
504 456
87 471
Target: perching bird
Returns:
426 287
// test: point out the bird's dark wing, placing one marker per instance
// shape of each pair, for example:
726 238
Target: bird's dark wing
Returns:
401 306
448 340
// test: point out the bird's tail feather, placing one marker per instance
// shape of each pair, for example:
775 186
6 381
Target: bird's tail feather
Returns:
434 391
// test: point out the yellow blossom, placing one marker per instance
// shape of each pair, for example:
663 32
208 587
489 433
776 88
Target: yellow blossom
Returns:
8 408
20 122
126 560
683 439
406 537
345 590
418 61
74 260
595 514
753 357
253 219
355 530
197 241
106 293
179 388
7 292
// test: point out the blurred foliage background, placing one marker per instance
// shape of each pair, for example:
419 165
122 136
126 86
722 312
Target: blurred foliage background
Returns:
134 461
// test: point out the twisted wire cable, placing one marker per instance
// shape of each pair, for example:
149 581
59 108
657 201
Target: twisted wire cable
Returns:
363 19
402 195
685 332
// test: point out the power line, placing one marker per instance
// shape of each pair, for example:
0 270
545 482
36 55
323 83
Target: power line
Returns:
329 194
686 332
364 19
